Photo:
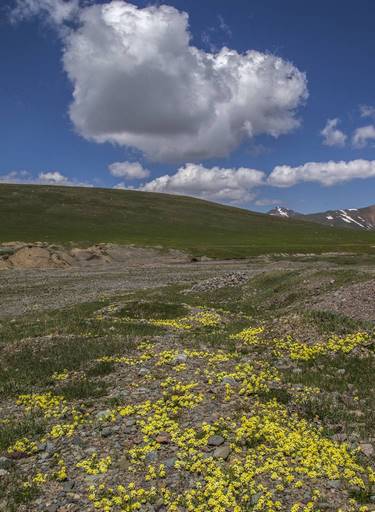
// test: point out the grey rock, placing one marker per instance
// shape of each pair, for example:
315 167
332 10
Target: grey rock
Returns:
222 452
180 358
68 485
107 431
367 449
52 508
334 484
169 463
229 380
215 441
102 415
151 456
143 371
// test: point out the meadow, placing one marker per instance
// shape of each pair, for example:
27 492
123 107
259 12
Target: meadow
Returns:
83 216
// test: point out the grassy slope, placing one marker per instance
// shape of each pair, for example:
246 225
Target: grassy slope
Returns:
62 215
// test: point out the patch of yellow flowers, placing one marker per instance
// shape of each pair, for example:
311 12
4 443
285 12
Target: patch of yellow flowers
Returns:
299 351
52 406
94 465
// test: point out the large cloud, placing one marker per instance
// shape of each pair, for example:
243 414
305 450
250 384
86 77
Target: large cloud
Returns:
138 81
215 184
326 173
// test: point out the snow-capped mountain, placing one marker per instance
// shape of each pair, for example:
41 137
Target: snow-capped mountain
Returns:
280 211
358 218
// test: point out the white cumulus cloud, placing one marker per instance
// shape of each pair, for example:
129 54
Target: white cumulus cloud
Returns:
362 136
129 170
332 136
215 184
325 173
138 81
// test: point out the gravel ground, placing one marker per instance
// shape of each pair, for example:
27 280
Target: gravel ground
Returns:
24 291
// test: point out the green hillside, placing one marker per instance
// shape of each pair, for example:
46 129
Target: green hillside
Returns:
86 215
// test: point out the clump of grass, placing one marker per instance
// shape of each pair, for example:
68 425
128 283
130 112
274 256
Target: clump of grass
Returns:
154 309
100 368
330 322
29 426
82 389
15 494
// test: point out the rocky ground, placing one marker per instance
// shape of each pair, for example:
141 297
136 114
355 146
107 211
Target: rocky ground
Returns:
201 386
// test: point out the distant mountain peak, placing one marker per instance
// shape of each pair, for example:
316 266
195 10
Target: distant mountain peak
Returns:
357 218
281 211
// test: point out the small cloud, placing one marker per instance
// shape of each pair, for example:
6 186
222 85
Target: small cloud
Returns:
43 178
362 136
224 26
326 173
367 111
331 135
54 177
56 12
128 170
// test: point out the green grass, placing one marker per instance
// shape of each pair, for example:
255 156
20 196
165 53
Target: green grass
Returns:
30 426
84 216
328 322
73 340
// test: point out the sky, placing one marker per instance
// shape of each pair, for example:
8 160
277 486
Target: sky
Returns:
250 103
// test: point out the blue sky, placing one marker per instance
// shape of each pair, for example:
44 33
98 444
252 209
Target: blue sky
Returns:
130 115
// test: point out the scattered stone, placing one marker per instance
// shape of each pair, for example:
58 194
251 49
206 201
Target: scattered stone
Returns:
229 279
